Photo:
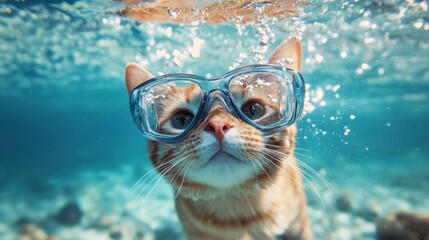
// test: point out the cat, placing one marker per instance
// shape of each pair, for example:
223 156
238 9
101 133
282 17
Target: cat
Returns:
259 197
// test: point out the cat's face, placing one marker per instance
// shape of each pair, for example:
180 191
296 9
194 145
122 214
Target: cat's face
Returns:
222 151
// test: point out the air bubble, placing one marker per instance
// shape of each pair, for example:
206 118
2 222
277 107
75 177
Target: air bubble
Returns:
424 6
335 88
262 82
310 47
195 49
319 58
418 24
368 40
359 71
168 32
365 66
273 99
172 14
346 130
365 24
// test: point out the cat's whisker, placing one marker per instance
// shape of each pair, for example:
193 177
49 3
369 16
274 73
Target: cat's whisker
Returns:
254 166
304 171
181 157
296 181
177 174
296 140
301 149
302 175
163 174
282 147
183 179
306 166
182 168
253 163
141 191
270 161
159 176
319 176
309 168
256 160
139 183
153 169
304 155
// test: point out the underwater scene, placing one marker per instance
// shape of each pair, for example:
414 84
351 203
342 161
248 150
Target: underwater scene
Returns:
73 165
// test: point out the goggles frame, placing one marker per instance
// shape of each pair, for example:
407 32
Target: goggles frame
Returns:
218 88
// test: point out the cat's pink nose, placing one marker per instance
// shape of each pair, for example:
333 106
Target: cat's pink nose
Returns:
219 127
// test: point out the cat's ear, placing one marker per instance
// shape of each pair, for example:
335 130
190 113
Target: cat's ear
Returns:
288 54
135 75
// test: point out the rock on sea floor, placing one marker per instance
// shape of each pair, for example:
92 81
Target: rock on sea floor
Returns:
33 232
403 226
344 202
70 214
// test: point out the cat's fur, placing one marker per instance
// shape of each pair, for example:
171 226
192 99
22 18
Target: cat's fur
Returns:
230 180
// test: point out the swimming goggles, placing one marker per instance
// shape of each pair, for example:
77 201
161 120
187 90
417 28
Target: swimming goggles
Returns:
268 97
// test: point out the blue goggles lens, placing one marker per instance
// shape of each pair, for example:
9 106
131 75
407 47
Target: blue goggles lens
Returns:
268 97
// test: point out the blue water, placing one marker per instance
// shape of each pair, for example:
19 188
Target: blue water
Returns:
64 107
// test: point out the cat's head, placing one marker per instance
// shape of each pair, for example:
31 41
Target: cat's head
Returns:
222 152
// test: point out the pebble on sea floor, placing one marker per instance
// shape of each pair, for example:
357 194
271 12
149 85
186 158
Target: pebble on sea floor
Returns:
344 202
33 232
70 214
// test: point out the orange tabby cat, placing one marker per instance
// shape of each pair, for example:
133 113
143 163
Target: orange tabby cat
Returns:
217 197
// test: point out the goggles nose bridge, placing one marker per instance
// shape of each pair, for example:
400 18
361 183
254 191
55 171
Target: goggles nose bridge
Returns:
217 97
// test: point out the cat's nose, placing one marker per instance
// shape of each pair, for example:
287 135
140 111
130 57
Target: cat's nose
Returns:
219 127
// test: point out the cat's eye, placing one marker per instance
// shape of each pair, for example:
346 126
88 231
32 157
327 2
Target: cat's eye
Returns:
253 109
182 119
